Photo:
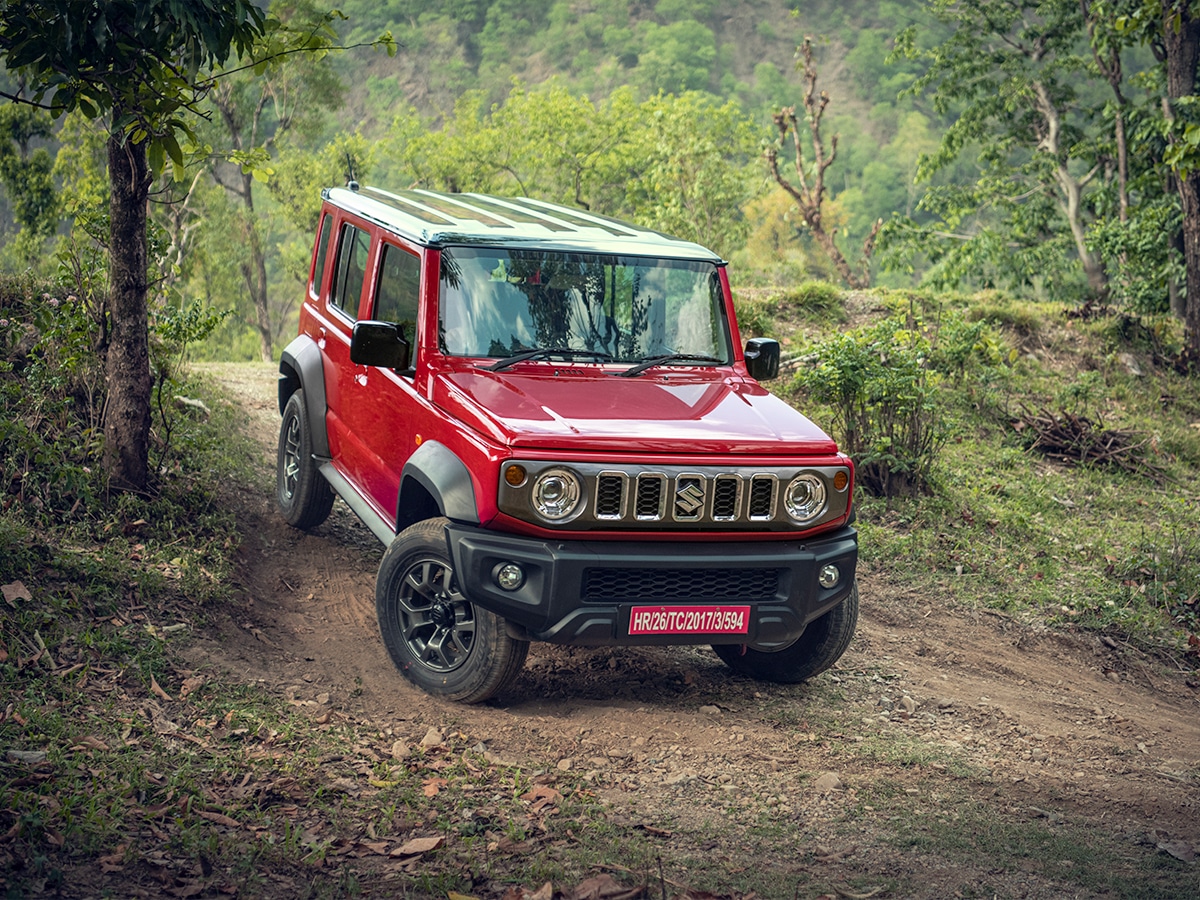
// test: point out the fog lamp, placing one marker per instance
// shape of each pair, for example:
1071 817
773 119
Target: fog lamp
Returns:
509 576
829 576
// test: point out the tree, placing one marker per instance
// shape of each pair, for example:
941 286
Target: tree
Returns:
141 64
809 191
255 109
1009 73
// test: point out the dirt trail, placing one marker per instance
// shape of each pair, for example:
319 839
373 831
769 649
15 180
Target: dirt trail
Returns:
1054 726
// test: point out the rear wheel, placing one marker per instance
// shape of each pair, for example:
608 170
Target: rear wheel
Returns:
442 642
304 496
822 644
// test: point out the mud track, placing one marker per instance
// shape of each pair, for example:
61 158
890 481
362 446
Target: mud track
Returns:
1046 725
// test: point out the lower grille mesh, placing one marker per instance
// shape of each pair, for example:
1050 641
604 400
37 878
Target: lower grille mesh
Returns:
618 585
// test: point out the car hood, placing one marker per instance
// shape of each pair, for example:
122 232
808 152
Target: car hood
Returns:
681 411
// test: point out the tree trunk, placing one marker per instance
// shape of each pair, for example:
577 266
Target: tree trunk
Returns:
127 414
1181 41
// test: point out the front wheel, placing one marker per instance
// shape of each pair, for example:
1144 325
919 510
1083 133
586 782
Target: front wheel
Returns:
302 493
822 644
442 642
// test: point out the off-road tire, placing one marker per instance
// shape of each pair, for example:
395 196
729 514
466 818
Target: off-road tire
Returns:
304 497
439 640
822 644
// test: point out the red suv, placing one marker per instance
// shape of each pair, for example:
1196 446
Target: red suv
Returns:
548 419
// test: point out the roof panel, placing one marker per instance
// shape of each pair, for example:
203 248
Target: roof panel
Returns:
436 219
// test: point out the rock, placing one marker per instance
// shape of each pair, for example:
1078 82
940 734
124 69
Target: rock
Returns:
564 765
909 704
826 782
1130 364
433 738
679 778
400 750
711 710
323 698
29 757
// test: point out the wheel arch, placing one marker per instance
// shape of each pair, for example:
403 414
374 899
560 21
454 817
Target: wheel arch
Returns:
300 366
435 482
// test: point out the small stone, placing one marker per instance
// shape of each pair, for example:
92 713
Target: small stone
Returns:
909 704
679 778
886 703
945 704
1039 755
1112 676
711 710
29 757
826 782
323 698
433 738
564 765
400 750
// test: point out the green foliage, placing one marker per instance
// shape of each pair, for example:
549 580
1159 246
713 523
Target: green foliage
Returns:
51 398
1141 264
25 174
882 393
688 156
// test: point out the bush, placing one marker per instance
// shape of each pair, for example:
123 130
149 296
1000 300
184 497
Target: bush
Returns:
878 381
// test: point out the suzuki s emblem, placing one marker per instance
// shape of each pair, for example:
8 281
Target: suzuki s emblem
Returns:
689 499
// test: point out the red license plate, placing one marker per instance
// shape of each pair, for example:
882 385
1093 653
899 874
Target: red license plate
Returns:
689 620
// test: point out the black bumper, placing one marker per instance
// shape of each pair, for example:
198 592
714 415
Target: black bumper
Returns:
581 592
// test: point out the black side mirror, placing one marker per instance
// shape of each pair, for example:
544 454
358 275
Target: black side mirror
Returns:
379 344
762 358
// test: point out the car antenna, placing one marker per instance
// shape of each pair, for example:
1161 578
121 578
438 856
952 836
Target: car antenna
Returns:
351 183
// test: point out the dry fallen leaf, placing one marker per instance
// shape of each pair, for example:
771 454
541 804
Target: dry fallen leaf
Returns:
190 686
157 690
14 592
90 742
417 846
433 785
219 819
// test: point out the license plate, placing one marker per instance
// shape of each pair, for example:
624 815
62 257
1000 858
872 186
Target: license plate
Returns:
689 620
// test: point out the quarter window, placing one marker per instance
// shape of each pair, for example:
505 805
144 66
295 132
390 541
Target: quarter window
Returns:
353 249
318 275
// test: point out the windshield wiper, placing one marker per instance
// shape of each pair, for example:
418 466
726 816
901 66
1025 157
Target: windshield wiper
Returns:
544 352
651 361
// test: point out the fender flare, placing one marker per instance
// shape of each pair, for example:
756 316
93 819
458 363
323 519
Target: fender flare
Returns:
300 366
435 481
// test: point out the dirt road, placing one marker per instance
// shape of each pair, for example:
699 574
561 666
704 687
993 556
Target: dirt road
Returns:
938 720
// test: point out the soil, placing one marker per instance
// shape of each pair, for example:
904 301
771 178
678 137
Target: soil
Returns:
1038 725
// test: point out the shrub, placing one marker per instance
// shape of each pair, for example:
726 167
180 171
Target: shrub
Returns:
878 381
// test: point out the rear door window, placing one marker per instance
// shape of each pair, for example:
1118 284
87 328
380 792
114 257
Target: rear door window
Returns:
353 250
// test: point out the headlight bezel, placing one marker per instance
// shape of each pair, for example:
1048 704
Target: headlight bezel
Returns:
565 509
810 506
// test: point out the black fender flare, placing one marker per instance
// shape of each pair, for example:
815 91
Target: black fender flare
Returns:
301 366
434 482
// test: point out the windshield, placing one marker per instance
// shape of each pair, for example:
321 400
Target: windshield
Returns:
499 303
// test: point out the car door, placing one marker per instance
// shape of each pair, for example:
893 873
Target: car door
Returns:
385 406
350 266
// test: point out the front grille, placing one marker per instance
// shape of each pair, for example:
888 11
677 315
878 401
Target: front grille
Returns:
610 493
726 497
650 496
617 585
762 497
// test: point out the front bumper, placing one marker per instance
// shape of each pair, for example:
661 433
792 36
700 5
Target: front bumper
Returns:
581 592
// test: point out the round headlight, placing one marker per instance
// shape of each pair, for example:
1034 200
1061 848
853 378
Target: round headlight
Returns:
556 494
805 498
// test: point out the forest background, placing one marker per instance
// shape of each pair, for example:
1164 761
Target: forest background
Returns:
989 140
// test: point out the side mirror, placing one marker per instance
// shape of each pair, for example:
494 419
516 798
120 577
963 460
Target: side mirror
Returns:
379 344
762 358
